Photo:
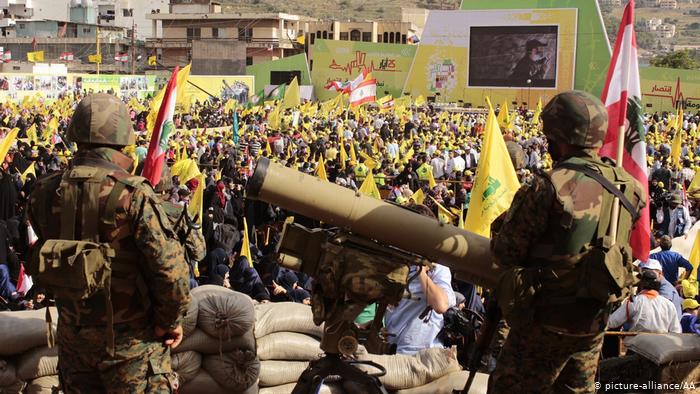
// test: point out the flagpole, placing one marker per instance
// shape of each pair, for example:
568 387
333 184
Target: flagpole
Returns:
616 202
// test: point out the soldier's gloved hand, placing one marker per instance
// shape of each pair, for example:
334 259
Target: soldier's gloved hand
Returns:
170 338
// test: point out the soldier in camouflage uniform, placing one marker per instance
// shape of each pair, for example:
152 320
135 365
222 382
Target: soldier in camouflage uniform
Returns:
554 345
149 277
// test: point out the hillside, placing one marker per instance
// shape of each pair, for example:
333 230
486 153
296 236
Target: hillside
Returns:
338 9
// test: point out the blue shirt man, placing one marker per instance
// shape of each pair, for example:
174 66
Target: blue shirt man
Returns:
670 260
415 327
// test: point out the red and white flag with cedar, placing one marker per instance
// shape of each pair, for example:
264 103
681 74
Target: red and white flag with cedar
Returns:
622 97
365 92
164 127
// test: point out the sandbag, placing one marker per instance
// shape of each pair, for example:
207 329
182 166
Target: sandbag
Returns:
42 385
223 313
236 370
449 383
8 373
186 365
276 373
38 362
662 349
202 343
403 372
287 389
28 330
289 346
190 321
285 316
202 383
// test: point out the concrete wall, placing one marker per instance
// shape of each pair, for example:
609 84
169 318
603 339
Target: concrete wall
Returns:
39 29
221 57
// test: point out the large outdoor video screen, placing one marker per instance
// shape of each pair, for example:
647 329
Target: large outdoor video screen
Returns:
513 56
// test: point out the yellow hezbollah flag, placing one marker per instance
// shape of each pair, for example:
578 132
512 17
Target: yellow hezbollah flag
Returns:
292 96
504 115
695 259
245 244
7 142
418 196
369 188
152 61
321 169
97 58
496 181
29 170
36 56
420 101
538 112
31 134
444 214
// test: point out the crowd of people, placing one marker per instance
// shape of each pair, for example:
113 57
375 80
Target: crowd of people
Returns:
423 157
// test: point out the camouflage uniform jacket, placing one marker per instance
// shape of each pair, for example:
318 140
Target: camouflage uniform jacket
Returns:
140 233
551 223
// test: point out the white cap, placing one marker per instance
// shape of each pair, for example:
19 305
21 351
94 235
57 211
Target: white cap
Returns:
651 264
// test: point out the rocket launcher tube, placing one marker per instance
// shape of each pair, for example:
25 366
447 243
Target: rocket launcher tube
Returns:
467 254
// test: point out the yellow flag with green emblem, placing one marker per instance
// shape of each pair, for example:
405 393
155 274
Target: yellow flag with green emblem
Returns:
321 169
495 183
369 188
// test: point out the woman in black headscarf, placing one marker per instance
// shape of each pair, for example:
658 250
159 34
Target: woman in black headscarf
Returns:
8 195
212 260
288 289
245 279
220 276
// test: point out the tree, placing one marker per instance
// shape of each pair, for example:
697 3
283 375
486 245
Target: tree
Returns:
678 59
645 39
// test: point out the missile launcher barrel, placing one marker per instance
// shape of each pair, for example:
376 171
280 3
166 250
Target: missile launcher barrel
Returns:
467 254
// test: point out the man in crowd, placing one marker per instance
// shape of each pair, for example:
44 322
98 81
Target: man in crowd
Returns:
671 261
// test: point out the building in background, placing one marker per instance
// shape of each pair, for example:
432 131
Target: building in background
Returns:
265 36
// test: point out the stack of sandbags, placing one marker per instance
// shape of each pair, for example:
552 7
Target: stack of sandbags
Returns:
218 353
24 355
287 340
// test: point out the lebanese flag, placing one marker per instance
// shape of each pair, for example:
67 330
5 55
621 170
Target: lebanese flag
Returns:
24 281
153 164
121 57
335 85
622 97
366 92
355 83
66 56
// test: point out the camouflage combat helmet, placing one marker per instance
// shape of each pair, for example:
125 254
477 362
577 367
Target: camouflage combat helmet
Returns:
101 119
576 118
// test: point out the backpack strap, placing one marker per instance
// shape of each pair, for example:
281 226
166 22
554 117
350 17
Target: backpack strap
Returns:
609 186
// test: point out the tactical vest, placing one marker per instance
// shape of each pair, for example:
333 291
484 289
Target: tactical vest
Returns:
81 268
581 270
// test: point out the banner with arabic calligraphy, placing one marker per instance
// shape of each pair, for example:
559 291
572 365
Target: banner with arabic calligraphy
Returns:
665 88
344 60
